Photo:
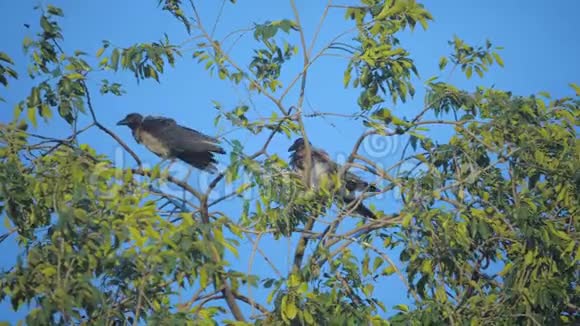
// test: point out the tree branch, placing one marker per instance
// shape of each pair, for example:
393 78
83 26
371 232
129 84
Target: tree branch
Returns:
251 303
105 129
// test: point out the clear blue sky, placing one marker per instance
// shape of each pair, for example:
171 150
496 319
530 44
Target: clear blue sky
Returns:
541 54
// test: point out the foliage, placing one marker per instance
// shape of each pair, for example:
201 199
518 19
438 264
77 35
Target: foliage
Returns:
487 232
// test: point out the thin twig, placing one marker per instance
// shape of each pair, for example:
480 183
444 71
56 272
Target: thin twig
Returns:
390 261
251 302
105 129
230 195
216 47
319 27
180 183
139 302
217 19
251 262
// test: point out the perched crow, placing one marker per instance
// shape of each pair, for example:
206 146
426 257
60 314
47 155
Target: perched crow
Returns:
167 139
321 165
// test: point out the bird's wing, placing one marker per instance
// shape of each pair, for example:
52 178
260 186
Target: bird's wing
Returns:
298 157
361 209
194 141
201 135
322 164
296 161
201 160
179 138
322 156
354 182
152 134
196 148
158 122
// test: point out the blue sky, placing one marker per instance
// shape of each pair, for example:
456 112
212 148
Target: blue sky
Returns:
540 54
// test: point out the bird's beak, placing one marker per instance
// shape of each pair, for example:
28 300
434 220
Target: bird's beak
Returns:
292 148
123 122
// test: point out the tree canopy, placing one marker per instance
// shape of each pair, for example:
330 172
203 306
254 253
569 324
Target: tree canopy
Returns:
485 230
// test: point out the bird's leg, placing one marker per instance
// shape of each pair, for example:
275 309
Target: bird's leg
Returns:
171 162
189 170
161 163
165 160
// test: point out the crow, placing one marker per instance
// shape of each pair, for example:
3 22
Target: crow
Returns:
321 165
168 140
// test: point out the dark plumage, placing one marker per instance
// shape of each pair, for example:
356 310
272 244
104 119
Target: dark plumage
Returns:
164 137
322 165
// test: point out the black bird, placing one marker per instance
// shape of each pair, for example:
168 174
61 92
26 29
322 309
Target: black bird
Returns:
168 140
321 165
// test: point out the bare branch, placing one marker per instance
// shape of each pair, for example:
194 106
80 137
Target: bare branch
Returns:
319 27
105 129
180 183
216 47
217 19
251 302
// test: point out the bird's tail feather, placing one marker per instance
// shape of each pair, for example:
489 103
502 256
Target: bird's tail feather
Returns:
203 161
213 147
365 211
209 145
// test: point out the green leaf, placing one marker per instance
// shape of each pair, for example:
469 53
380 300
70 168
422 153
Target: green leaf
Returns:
407 220
427 267
75 76
576 88
529 258
401 307
32 116
231 248
222 74
18 108
440 294
136 235
7 224
368 289
150 72
115 59
203 277
389 270
45 111
469 72
45 24
377 263
155 172
293 281
544 94
4 57
347 77
498 59
100 52
271 296
308 317
291 309
284 305
49 271
54 10
442 63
